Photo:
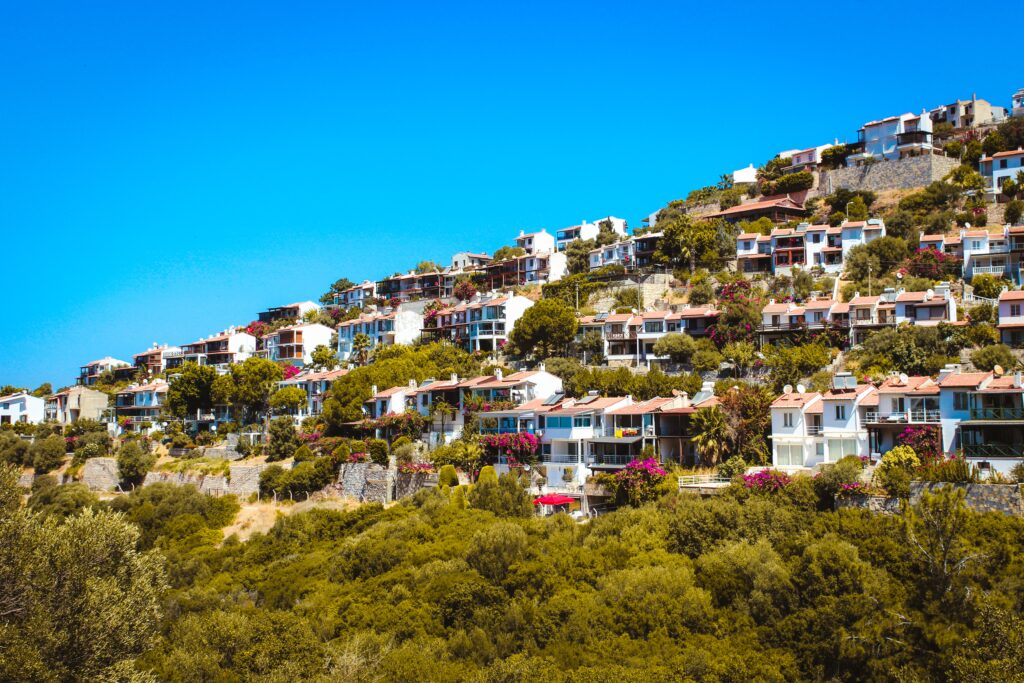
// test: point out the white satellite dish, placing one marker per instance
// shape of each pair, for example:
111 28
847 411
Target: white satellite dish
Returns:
800 388
899 275
526 467
903 378
967 226
998 370
788 389
929 294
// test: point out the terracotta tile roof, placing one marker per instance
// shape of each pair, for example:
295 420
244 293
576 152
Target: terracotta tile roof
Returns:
932 238
870 401
917 384
1001 155
1017 295
748 236
795 400
698 312
818 228
819 304
865 300
816 408
841 308
318 376
598 404
651 406
776 308
619 318
834 395
1002 384
388 393
783 202
964 379
853 224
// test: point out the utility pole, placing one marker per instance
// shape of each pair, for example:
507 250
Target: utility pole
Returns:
869 279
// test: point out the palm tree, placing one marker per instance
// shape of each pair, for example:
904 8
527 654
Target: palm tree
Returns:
709 435
361 348
442 408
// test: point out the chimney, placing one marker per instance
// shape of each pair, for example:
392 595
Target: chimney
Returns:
1018 380
412 384
947 370
373 390
542 367
455 378
499 375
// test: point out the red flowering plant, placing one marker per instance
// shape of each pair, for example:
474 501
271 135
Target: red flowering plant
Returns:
933 264
766 481
478 404
511 443
925 440
638 481
415 468
290 370
257 328
409 423
311 437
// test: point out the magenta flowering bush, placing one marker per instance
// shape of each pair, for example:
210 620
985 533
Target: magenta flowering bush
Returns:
513 443
312 437
290 371
768 481
638 481
857 488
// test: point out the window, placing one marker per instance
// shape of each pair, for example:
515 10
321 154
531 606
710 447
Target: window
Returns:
787 419
841 413
581 421
816 237
1014 310
819 449
960 400
839 448
570 448
789 455
975 245
1002 163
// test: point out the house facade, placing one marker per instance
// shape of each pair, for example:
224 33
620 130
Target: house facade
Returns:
218 350
356 296
999 168
895 137
90 373
1011 317
540 242
401 325
138 407
295 343
153 361
293 311
481 324
588 231
968 113
76 403
806 246
316 384
21 407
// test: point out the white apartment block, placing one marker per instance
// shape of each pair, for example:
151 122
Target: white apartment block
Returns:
294 344
21 407
540 242
618 254
811 428
481 324
999 168
968 113
629 338
315 384
746 175
401 325
218 350
588 231
804 159
138 407
153 361
356 296
895 137
293 311
468 260
90 373
806 246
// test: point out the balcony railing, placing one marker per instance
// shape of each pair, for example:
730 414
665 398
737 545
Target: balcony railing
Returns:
559 459
904 417
994 450
620 335
989 270
615 460
813 430
866 322
997 413
508 430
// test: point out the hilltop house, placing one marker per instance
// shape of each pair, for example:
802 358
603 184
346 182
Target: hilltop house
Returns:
1011 317
999 168
895 137
218 350
968 113
153 361
806 246
293 311
587 231
295 343
400 325
540 242
21 407
356 296
90 373
138 407
75 403
481 324
315 383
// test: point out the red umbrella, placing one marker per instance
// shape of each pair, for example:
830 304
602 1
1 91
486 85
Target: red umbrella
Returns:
554 499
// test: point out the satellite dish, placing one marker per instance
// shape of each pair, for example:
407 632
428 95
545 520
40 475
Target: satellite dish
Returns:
526 467
788 389
800 388
899 275
967 226
998 370
929 294
903 378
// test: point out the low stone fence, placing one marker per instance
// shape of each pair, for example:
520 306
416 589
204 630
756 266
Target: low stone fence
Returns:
408 483
896 174
100 474
211 484
1004 498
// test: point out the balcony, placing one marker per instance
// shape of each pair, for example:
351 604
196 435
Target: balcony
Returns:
509 430
988 270
559 459
924 416
997 413
868 322
994 450
619 336
611 460
914 137
814 430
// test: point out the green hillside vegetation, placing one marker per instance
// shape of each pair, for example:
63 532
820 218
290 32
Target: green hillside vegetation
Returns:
746 586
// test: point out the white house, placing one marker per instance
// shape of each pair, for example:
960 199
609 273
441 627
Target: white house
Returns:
391 401
809 428
293 311
402 325
902 402
468 260
139 406
982 417
540 242
588 231
1011 317
90 373
618 254
568 428
999 168
295 343
21 407
76 403
801 159
894 137
481 324
315 384
233 345
743 175
154 360
356 296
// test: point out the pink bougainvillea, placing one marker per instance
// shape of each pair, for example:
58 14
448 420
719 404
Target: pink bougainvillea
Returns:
639 480
513 443
766 480
415 467
291 370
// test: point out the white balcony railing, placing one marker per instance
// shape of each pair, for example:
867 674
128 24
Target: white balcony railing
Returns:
904 417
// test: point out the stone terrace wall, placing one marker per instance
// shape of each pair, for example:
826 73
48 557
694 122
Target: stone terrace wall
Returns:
899 174
100 474
408 484
880 504
210 484
1005 498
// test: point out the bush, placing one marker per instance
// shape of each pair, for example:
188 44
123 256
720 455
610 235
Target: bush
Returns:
988 286
952 470
846 470
732 467
1018 472
404 453
341 453
302 454
133 462
378 450
895 481
14 450
448 476
900 457
1014 211
48 454
283 440
399 442
90 450
987 357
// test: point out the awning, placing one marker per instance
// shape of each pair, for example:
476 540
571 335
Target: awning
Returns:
553 499
613 439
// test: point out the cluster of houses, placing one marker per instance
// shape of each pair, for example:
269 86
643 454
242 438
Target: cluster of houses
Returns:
978 414
805 247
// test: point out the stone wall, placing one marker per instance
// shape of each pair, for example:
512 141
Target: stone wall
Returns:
409 483
1005 498
210 484
880 504
244 480
653 287
366 482
899 174
100 474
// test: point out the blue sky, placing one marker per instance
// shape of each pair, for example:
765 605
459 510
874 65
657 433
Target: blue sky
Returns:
169 169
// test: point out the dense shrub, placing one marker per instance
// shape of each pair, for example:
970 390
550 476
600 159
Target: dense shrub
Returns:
378 450
48 454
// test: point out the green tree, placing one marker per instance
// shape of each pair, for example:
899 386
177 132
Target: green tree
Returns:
191 390
710 438
323 358
133 463
283 439
987 357
988 286
860 263
857 210
790 364
255 379
43 390
546 328
741 354
288 400
48 454
494 550
506 253
1014 211
993 143
361 345
678 347
339 285
428 267
577 256
79 601
686 241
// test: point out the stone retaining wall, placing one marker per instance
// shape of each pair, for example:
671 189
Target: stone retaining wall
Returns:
1005 498
211 484
409 483
879 504
100 474
898 174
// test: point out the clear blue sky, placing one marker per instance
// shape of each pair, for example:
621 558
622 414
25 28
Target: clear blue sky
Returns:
169 169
